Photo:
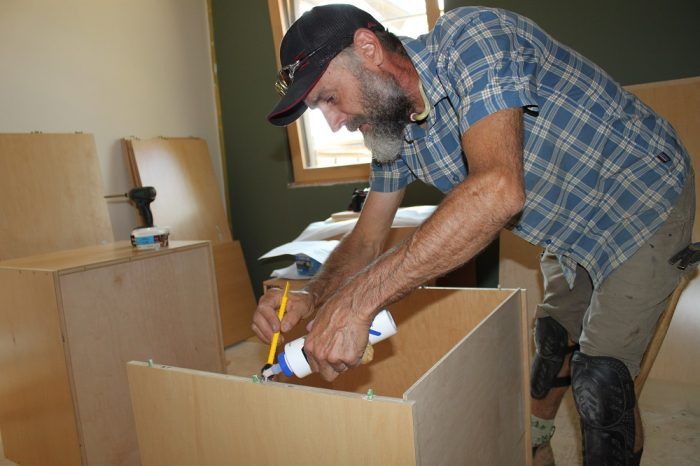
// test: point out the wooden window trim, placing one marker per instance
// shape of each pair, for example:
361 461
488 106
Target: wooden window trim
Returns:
323 175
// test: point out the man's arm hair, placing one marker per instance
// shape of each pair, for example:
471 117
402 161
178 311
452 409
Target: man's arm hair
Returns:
466 221
360 247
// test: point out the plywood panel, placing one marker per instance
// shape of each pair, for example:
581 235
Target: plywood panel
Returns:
51 194
134 310
471 405
186 417
188 201
430 322
36 412
519 267
236 297
188 198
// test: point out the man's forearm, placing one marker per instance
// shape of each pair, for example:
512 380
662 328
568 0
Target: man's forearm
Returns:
465 222
469 217
349 257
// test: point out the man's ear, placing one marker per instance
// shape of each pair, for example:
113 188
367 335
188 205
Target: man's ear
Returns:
368 47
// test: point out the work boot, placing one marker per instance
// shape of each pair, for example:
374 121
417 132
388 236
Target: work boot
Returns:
542 455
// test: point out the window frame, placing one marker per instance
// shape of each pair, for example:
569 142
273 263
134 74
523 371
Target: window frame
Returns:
323 175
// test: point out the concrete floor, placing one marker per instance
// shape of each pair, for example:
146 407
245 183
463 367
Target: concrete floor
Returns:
671 416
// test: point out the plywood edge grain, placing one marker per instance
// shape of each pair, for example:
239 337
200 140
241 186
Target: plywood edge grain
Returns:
92 256
525 358
69 366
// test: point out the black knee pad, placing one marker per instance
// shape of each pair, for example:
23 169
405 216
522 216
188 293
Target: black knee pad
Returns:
605 400
552 342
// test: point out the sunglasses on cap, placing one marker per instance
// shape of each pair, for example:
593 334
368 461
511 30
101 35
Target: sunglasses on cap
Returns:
285 76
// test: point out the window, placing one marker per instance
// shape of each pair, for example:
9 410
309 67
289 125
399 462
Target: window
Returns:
318 154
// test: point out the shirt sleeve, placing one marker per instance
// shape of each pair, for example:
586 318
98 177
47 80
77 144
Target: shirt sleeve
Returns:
490 67
390 177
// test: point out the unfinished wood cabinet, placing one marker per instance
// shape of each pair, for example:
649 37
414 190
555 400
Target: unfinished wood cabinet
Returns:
69 322
451 388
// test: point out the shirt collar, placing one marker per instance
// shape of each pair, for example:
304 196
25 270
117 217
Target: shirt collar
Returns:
423 60
424 63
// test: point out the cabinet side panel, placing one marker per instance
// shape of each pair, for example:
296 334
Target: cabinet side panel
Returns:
236 298
162 307
186 417
469 407
430 323
36 412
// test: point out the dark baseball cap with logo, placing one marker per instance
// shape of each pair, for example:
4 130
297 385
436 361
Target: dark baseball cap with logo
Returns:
307 48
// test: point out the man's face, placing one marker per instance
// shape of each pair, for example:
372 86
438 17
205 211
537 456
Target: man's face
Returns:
349 94
386 111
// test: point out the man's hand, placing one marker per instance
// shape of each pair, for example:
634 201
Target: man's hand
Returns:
265 322
337 338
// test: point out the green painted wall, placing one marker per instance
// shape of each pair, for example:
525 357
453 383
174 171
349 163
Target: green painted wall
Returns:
635 41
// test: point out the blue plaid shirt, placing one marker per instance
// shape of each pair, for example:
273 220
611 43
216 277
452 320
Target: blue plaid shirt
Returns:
602 170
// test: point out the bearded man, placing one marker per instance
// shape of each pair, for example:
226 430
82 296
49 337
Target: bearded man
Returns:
521 132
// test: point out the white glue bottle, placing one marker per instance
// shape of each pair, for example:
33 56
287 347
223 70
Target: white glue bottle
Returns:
293 361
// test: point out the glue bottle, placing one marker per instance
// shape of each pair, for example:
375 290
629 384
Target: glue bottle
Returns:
293 360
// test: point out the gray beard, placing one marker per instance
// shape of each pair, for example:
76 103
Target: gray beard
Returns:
387 110
385 143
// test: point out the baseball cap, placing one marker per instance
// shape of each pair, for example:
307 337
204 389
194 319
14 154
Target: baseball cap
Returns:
307 48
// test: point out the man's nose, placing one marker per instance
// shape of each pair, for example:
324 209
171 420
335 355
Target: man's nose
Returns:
336 120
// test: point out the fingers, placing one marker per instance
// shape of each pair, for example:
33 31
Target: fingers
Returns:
265 319
329 372
299 306
328 363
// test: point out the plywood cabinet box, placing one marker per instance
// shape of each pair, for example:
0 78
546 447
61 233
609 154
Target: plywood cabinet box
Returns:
451 388
69 323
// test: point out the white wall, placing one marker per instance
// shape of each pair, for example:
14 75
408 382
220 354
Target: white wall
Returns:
114 68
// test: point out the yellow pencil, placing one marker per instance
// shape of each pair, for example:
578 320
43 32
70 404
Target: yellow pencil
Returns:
280 314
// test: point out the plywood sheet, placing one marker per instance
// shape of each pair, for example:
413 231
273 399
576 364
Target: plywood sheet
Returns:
188 199
37 417
430 322
186 417
154 307
519 267
236 298
51 194
471 404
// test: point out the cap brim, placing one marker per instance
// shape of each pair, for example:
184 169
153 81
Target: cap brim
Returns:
292 105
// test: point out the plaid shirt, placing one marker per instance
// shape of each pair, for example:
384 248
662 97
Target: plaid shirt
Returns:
602 170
